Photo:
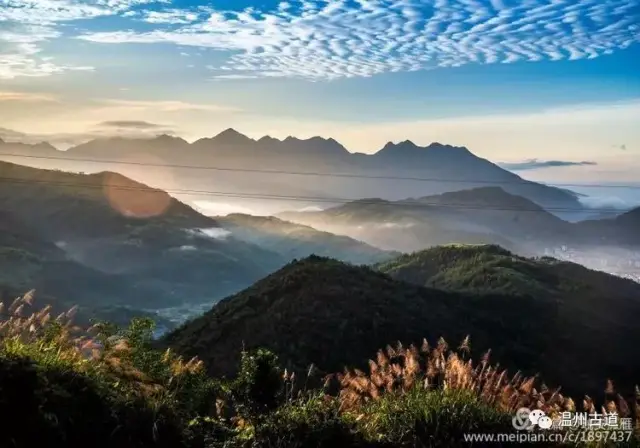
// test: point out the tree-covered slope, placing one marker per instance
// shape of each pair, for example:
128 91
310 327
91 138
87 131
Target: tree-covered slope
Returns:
493 269
113 224
325 312
29 262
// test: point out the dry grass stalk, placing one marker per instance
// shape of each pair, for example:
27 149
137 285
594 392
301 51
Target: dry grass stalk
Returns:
396 370
79 345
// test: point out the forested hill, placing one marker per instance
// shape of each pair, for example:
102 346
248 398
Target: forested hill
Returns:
321 311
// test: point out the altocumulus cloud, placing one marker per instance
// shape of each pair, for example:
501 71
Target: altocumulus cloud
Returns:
328 40
320 40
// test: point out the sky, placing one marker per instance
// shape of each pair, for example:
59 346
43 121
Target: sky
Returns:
551 87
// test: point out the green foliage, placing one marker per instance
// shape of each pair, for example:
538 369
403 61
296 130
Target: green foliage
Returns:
425 418
47 400
313 421
473 268
259 385
54 393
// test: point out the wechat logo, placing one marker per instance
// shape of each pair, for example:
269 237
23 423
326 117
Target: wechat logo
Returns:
526 419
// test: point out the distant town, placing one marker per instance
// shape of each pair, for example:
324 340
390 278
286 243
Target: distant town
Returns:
617 261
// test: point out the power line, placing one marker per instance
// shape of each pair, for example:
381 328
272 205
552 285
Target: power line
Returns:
262 196
313 173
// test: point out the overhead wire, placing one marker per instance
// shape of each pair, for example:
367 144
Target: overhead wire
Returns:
407 203
314 173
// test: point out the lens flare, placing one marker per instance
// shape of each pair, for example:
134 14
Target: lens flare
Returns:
134 199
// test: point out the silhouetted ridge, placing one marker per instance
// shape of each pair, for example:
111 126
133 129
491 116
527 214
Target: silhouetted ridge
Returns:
446 167
630 217
231 137
489 195
268 139
166 139
401 148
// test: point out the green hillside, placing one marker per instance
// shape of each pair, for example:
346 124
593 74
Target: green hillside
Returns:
493 269
29 262
332 314
593 307
112 224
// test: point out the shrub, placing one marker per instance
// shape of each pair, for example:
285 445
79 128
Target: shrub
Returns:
430 418
259 386
313 421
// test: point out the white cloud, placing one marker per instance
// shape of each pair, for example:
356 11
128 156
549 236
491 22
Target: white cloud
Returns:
27 24
216 233
607 202
310 208
327 40
21 61
20 53
172 16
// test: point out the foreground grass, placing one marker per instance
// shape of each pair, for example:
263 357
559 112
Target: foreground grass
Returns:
108 387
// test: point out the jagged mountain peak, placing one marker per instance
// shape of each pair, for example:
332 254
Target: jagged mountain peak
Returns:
317 143
410 147
231 136
268 139
403 145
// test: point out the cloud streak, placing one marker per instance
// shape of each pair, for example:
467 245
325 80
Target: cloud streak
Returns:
30 97
130 124
535 164
165 105
321 40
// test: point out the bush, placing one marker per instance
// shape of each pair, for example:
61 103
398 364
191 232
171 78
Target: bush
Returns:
308 422
259 386
424 418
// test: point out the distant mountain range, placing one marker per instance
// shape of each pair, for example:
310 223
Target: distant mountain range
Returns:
397 171
542 315
623 230
480 215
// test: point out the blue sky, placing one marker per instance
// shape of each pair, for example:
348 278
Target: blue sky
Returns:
511 79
